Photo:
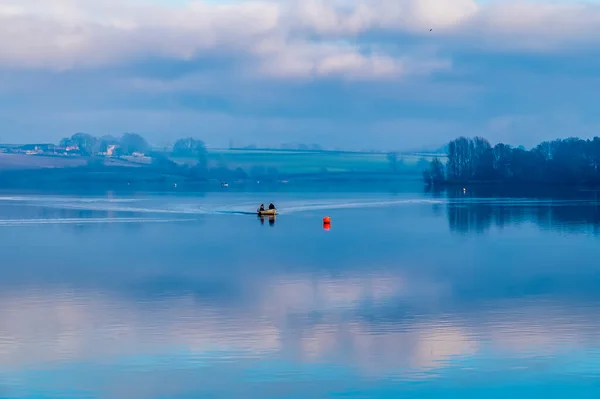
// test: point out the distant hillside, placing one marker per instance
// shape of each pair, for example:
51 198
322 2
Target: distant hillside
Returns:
293 161
214 167
26 162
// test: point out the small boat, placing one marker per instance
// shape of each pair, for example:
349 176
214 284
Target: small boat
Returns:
267 212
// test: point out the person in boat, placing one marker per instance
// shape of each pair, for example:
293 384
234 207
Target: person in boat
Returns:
271 206
262 208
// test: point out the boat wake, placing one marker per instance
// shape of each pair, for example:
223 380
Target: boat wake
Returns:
81 221
203 206
83 200
156 209
234 213
320 206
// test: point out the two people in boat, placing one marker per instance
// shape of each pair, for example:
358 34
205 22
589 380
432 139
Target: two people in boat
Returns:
262 207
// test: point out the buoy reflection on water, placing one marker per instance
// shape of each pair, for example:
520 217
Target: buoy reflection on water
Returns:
326 223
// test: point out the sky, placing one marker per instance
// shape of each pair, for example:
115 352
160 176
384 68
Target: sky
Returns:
351 74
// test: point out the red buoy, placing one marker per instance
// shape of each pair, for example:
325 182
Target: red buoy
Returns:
326 220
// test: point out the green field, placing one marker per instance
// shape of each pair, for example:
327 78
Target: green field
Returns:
301 162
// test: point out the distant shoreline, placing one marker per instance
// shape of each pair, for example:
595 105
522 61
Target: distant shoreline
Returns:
149 179
513 184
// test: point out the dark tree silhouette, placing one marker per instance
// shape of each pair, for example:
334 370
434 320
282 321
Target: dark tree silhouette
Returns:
132 142
392 158
85 142
568 161
190 147
435 173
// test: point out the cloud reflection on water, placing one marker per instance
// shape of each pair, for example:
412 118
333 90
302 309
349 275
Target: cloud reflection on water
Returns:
303 320
395 299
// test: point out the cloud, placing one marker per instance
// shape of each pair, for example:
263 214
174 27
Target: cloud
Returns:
383 73
331 17
66 34
540 26
505 25
297 38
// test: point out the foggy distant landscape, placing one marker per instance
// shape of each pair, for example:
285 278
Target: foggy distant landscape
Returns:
299 199
108 162
130 161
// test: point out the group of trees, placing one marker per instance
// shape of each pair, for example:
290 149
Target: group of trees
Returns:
130 143
188 157
568 161
127 144
395 160
191 148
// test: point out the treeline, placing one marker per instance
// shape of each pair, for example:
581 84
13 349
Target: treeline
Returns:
192 152
568 161
86 144
130 143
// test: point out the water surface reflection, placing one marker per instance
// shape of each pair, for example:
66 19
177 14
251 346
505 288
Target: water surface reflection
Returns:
572 217
387 304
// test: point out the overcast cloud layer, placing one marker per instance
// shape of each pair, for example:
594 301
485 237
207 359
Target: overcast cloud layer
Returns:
354 74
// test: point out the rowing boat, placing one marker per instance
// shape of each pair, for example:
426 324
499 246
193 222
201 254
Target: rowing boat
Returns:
267 212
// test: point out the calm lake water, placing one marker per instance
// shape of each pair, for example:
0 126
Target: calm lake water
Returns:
405 296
